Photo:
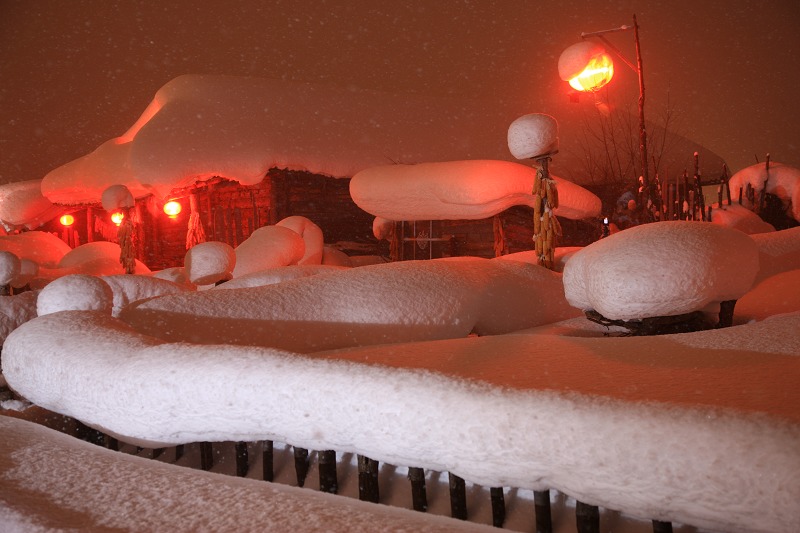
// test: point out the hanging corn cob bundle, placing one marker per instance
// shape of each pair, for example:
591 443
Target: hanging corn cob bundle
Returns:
535 136
546 228
125 237
195 234
499 236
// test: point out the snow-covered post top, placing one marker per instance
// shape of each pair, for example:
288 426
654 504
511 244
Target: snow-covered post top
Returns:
535 136
9 269
119 198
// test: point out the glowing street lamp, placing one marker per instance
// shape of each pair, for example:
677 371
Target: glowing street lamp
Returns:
587 67
172 209
67 220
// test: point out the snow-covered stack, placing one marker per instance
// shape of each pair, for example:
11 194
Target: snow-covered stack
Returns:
781 180
209 262
664 269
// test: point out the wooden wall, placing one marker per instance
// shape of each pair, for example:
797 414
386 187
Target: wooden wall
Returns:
230 212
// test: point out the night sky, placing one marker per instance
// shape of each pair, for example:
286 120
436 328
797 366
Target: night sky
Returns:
75 73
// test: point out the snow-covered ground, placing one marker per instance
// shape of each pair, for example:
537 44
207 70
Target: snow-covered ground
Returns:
696 428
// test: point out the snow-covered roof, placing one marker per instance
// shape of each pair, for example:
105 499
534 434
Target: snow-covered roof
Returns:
202 126
460 190
22 204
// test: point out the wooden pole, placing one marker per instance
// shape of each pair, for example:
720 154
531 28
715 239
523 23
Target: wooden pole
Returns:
267 458
368 489
662 527
301 465
419 496
541 504
242 459
498 506
642 129
206 456
587 518
327 472
458 497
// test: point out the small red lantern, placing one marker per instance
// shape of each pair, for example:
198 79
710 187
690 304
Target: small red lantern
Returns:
172 208
67 220
116 217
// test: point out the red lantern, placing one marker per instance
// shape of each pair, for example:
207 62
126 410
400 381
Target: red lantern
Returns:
67 220
172 208
586 66
116 217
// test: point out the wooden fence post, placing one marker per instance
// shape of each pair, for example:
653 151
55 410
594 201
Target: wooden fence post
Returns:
458 497
419 495
541 505
206 456
368 489
498 506
267 458
242 459
301 465
327 472
587 518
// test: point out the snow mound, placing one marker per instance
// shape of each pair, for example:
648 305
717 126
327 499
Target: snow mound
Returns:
774 295
268 247
209 262
739 217
41 247
76 292
334 257
27 271
778 251
10 267
274 275
583 416
116 197
661 269
781 180
15 311
312 238
392 302
22 204
129 288
459 190
93 487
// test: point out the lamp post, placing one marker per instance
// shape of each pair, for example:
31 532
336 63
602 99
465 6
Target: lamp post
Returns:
588 67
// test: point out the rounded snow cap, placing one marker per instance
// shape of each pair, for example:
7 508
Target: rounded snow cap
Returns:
9 267
209 262
533 135
116 197
76 292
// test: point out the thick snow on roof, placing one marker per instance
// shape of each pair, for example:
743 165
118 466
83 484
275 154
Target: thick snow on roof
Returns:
626 423
459 190
22 204
392 302
45 249
661 269
91 486
198 127
781 180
